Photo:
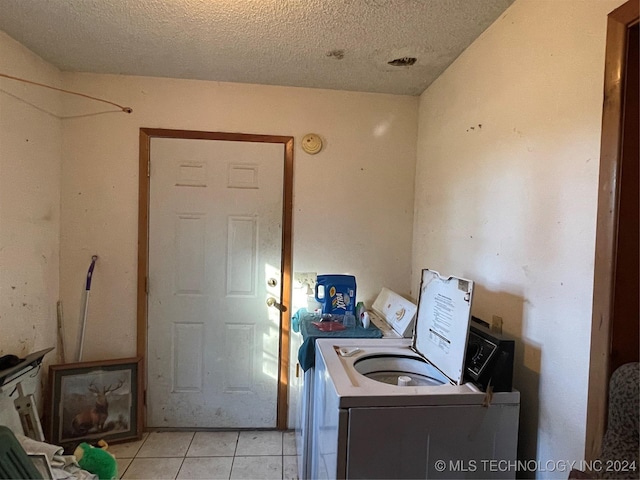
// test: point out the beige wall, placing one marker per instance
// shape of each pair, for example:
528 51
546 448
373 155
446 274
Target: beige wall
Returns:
506 193
30 153
353 202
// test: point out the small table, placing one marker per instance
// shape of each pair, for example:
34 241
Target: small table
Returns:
307 351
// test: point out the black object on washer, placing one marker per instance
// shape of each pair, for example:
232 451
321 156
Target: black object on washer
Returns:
489 358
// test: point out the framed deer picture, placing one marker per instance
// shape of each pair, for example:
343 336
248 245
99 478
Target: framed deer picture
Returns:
91 401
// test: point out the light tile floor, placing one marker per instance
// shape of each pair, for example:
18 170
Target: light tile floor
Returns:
208 455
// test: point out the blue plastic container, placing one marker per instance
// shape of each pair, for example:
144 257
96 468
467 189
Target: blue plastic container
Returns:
336 293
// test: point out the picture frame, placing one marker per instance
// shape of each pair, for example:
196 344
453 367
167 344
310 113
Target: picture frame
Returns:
41 462
91 401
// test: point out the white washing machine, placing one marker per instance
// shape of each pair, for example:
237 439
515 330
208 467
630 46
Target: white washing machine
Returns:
394 316
399 408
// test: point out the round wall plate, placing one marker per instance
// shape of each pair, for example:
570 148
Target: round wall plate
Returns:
311 143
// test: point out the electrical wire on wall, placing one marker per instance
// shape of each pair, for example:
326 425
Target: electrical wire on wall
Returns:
124 109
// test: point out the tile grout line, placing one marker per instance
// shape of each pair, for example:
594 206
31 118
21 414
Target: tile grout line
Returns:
121 474
135 455
233 459
185 455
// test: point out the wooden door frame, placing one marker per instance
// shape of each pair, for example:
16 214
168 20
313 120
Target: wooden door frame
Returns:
146 134
618 24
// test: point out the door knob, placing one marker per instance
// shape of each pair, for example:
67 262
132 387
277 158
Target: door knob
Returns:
272 302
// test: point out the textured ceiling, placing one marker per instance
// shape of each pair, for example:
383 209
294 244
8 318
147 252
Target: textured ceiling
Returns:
277 42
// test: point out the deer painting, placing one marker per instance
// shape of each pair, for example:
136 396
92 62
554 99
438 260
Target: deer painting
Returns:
95 417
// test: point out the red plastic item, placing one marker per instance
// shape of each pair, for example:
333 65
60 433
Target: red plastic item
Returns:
329 326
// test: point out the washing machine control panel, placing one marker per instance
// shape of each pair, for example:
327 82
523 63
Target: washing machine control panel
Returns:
479 352
489 358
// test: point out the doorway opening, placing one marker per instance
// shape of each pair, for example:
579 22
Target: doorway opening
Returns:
614 330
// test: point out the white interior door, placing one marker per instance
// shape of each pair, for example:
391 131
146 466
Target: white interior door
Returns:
215 234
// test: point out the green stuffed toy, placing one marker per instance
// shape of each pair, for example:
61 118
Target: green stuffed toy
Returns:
97 461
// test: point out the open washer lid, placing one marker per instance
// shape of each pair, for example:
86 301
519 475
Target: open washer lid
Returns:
442 324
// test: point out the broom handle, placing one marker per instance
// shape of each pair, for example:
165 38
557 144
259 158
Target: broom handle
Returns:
86 304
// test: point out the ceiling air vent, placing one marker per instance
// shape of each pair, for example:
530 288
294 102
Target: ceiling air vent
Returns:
403 62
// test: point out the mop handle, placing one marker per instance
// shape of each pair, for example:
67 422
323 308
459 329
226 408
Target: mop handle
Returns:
86 305
90 272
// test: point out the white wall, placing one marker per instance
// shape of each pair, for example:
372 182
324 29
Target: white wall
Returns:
30 155
506 194
353 202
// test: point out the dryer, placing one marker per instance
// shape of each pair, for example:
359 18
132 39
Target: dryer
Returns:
399 408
